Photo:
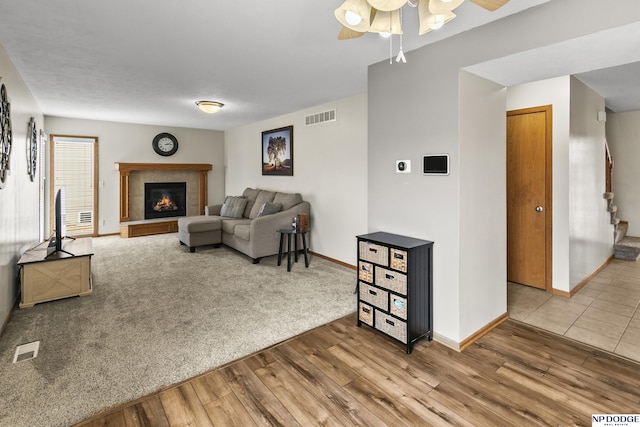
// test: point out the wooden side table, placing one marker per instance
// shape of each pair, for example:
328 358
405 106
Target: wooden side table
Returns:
289 232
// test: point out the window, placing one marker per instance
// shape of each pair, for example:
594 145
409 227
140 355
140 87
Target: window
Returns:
75 167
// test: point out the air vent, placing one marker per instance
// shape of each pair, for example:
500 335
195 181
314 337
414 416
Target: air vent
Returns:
85 217
315 119
26 352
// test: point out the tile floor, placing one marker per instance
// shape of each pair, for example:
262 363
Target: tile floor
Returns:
605 313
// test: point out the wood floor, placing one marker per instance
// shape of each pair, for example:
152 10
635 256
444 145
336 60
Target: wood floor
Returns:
343 375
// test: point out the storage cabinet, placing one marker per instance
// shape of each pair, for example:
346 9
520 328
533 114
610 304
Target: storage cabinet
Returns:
395 286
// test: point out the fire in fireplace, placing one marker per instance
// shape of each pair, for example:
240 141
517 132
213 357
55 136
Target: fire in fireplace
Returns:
165 199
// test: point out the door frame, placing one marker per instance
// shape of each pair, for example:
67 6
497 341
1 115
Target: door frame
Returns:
548 154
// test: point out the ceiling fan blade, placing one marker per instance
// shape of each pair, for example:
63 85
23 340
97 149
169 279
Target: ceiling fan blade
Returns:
490 5
348 33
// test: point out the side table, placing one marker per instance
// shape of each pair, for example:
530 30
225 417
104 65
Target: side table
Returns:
289 232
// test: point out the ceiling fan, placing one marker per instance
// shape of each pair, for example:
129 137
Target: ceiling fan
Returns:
384 16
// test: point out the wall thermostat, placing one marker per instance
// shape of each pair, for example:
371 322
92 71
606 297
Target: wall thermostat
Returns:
435 164
403 166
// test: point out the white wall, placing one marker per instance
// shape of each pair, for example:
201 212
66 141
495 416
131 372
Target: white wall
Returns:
330 171
131 143
623 135
554 92
483 214
19 212
590 229
414 108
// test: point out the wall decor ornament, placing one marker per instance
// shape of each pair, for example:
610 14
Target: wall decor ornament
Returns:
277 151
5 135
32 149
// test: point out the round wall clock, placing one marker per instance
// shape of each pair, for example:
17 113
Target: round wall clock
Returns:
32 149
165 144
5 135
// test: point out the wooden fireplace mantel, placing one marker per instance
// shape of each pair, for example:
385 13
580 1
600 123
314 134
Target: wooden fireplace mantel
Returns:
125 170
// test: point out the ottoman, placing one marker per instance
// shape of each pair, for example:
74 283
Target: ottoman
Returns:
199 231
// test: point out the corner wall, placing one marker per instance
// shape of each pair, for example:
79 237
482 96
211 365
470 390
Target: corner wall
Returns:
19 199
590 228
330 171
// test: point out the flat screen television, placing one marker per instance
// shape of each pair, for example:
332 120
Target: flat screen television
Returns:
59 233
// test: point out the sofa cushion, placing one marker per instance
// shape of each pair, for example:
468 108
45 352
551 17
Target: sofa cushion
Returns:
269 208
250 194
199 224
233 207
287 200
229 225
242 231
263 197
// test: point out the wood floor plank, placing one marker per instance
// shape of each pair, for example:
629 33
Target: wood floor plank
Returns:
405 389
146 413
317 352
346 375
261 404
228 411
210 387
340 402
295 396
182 407
386 407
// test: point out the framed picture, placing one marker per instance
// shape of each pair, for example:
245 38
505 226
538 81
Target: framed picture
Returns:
277 151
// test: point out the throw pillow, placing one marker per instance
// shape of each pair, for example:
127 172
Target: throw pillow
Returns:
269 208
233 207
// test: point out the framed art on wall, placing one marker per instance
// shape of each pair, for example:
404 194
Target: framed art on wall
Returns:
277 151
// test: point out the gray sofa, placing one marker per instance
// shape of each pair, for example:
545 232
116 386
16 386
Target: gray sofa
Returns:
247 223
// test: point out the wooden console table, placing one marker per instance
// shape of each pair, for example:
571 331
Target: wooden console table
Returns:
59 276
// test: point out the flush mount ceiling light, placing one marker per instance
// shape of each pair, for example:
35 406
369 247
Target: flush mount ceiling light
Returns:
209 107
383 16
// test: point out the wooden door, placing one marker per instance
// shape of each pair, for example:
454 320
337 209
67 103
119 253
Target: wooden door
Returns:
529 197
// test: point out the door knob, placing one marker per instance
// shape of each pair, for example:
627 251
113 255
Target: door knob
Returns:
539 208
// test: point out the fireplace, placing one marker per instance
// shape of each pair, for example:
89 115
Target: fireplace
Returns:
165 199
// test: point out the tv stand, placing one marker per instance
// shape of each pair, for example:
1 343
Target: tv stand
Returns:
62 274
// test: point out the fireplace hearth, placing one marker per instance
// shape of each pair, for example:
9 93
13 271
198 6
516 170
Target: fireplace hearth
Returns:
165 199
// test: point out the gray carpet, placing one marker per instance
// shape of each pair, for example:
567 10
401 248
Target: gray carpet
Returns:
157 315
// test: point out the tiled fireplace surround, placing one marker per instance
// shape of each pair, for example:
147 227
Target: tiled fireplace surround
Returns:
134 175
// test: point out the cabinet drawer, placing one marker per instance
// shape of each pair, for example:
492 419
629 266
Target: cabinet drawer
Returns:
374 296
392 280
398 306
399 260
365 271
391 326
374 253
365 313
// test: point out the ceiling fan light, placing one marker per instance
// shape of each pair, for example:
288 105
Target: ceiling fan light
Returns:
387 5
354 14
441 6
430 21
352 18
209 107
386 22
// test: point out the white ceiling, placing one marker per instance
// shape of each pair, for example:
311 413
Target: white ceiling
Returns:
148 61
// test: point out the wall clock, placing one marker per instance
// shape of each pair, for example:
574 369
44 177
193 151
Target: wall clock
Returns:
32 149
165 144
5 135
